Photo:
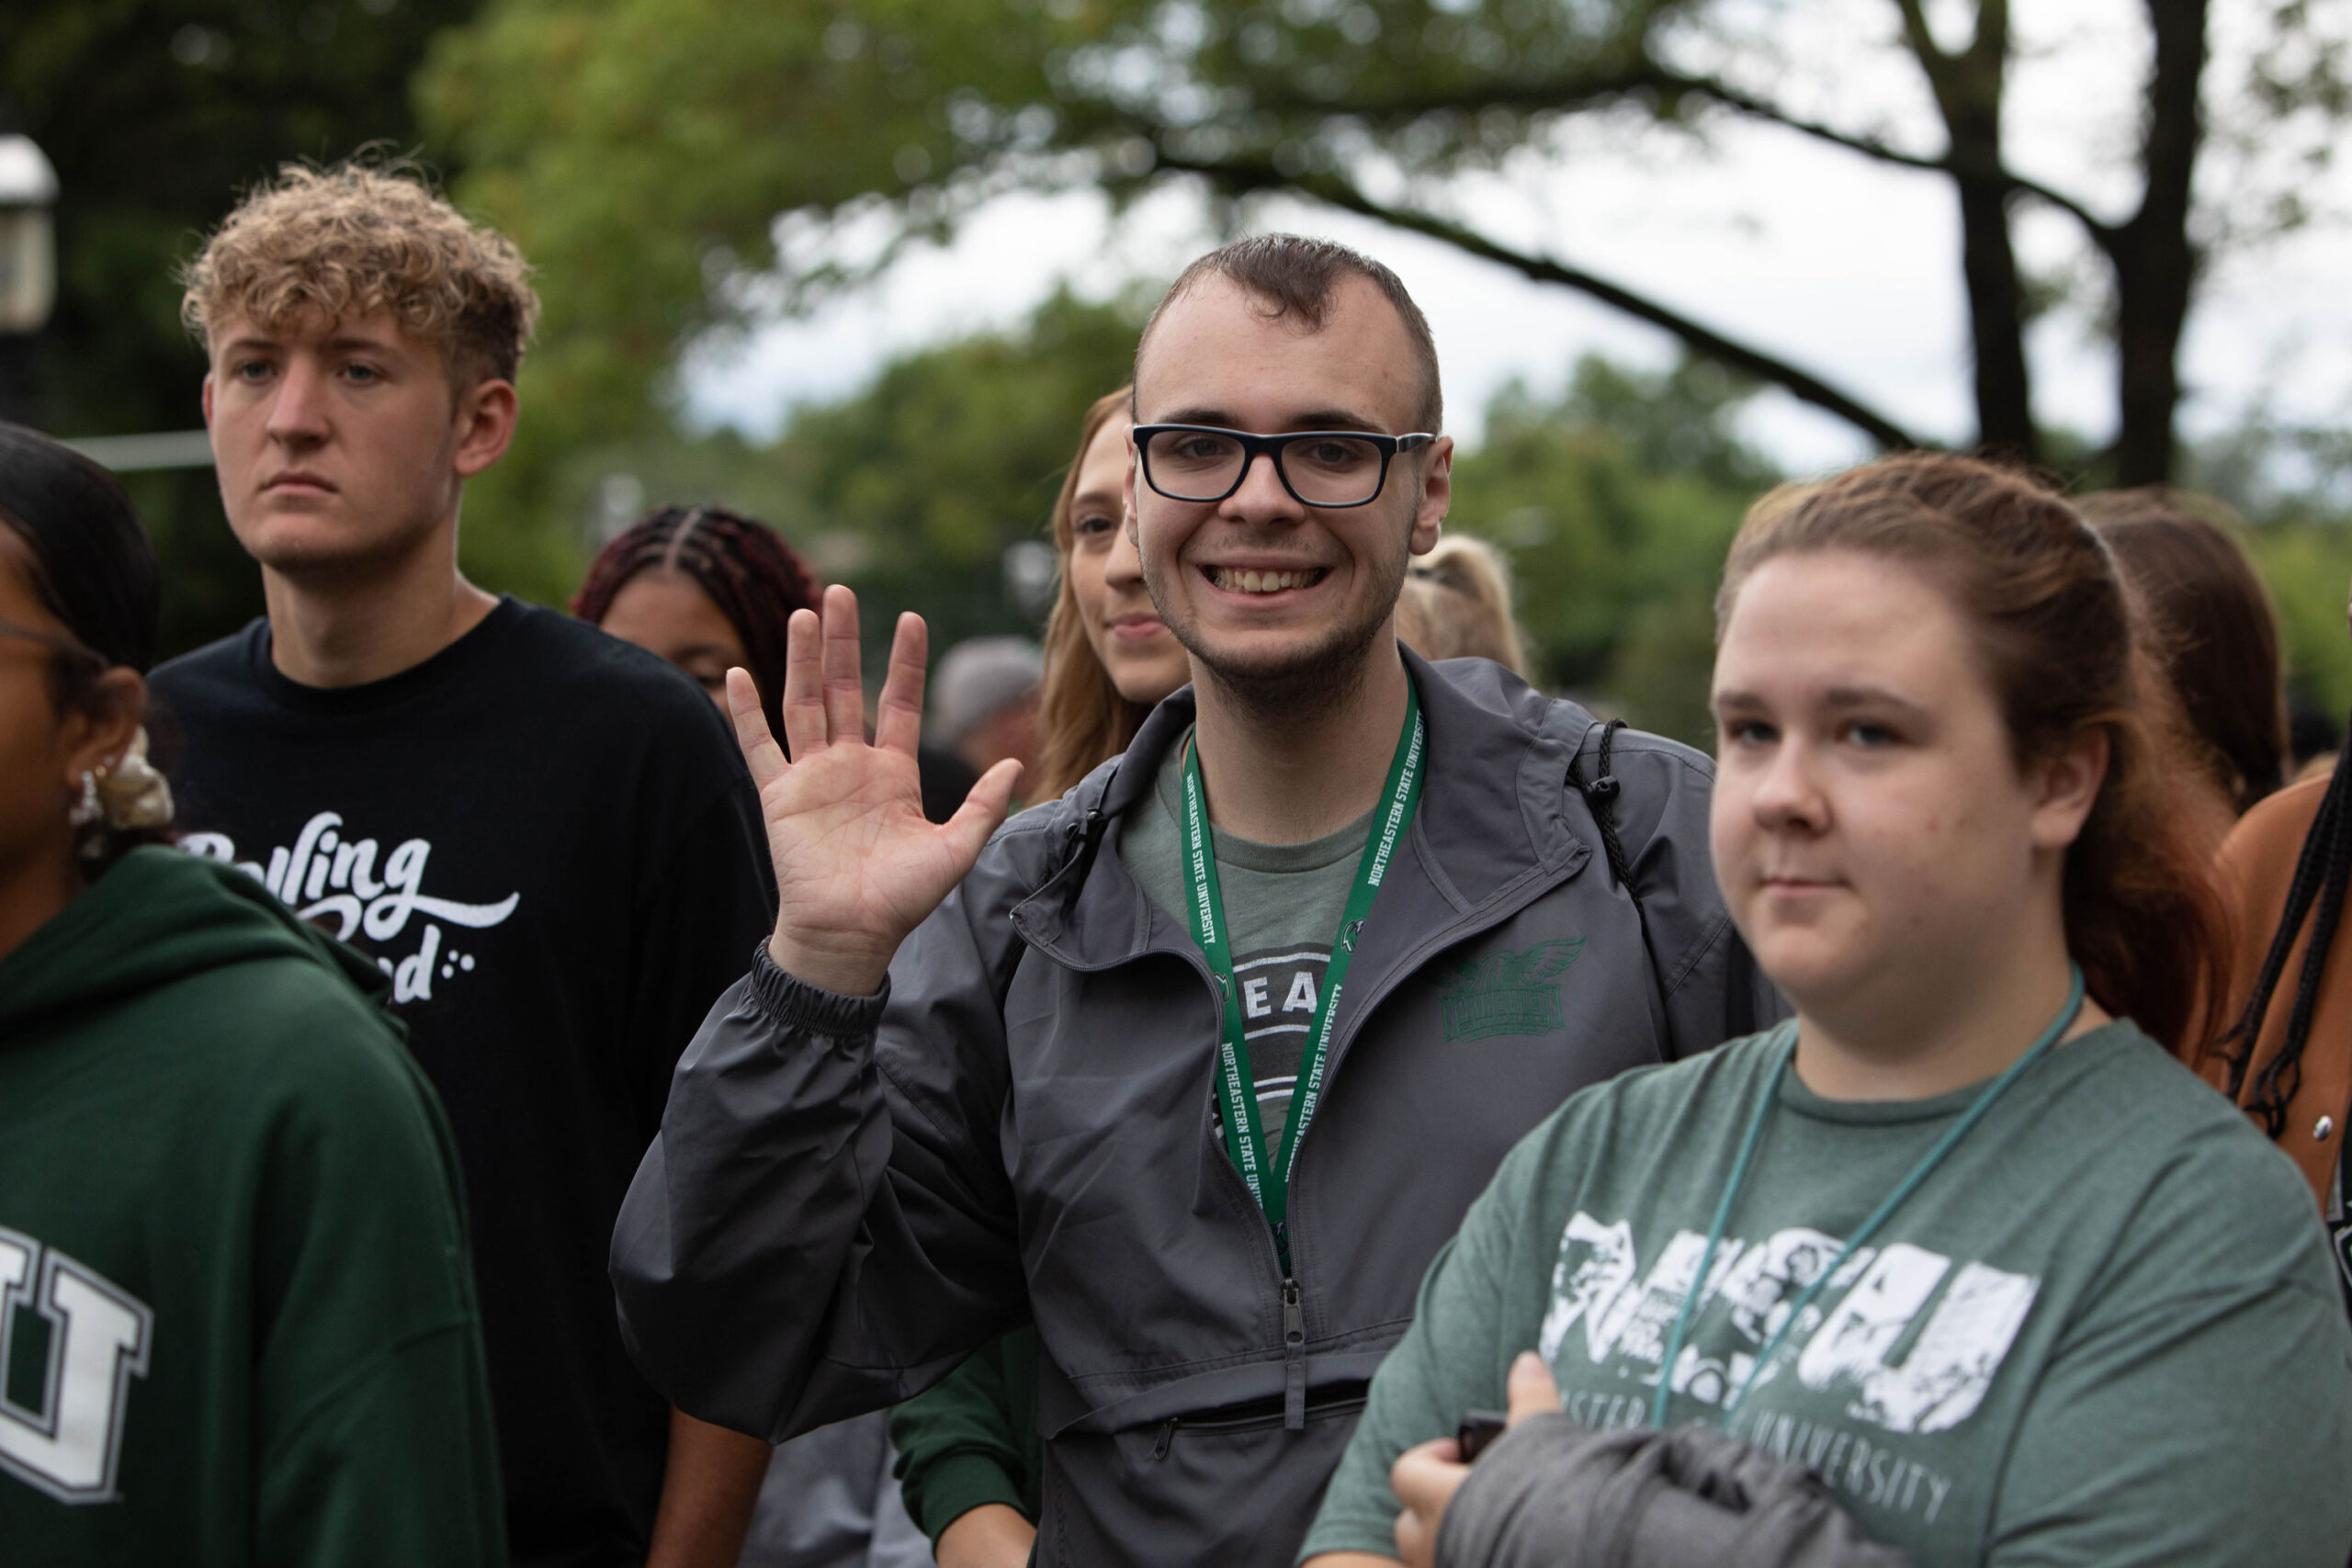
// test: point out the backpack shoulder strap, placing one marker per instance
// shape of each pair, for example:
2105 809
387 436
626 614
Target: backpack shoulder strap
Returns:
1601 798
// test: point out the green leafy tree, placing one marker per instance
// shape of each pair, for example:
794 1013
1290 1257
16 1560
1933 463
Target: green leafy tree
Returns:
648 146
953 454
1615 505
912 488
156 113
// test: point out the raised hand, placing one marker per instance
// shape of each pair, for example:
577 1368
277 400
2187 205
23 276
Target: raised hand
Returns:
857 866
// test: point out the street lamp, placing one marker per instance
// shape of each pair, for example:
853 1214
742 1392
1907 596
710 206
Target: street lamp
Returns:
28 243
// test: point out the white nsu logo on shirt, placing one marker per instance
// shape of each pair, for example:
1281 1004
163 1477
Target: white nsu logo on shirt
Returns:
1877 1295
100 1336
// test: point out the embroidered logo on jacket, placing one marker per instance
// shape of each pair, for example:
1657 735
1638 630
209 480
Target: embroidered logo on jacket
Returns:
1509 993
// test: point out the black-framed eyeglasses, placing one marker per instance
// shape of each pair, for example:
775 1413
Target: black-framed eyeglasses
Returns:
1319 468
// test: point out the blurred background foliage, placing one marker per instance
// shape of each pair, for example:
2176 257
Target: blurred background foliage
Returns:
649 153
156 113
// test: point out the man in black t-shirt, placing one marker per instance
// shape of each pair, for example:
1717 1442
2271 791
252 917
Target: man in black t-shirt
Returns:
542 835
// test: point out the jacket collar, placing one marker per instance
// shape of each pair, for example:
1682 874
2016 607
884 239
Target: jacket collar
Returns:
1490 824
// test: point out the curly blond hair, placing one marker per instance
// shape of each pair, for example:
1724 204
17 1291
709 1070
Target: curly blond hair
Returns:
358 238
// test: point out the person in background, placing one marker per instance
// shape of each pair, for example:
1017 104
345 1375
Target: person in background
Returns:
1109 658
540 834
1456 604
2286 871
984 701
1901 1273
2213 637
977 1078
969 1453
231 1269
710 590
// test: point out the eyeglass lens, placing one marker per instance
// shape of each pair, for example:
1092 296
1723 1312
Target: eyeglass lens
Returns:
1323 471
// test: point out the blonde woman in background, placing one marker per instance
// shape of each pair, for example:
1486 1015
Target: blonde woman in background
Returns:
1456 604
969 1462
1109 659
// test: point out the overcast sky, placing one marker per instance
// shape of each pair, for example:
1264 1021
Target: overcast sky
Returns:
1849 268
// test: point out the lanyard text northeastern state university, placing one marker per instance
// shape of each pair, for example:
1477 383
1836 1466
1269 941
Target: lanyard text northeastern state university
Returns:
1270 1180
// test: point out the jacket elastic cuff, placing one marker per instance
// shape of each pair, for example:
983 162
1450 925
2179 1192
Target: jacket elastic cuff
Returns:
955 1483
796 1004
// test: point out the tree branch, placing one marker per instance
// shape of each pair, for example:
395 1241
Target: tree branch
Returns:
1243 177
1870 147
1562 97
1922 37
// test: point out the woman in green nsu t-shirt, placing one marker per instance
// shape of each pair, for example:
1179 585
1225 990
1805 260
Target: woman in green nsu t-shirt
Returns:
2010 1285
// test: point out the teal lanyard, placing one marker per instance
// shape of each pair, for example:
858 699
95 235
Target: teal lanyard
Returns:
1270 1181
1894 1200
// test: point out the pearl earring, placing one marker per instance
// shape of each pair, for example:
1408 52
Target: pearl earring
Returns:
86 810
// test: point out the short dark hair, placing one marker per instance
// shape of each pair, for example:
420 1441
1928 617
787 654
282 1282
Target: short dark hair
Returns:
1296 278
92 566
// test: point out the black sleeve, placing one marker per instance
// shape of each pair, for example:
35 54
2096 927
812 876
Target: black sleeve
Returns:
1710 985
823 1225
1693 1498
706 901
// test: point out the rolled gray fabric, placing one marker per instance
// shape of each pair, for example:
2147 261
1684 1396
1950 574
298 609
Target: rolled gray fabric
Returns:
1552 1495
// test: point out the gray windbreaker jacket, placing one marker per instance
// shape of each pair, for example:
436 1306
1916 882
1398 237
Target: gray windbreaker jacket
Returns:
850 1194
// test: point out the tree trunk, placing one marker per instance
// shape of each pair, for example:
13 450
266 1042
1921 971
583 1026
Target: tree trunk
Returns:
2154 261
1969 88
2005 425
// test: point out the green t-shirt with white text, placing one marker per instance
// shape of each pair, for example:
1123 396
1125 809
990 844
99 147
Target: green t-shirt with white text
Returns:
2104 1331
1282 903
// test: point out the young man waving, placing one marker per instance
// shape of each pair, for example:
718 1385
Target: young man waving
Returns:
1199 1065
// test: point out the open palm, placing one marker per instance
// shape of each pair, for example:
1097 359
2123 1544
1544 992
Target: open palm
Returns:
857 865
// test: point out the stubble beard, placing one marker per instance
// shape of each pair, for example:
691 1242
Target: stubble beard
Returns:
1302 685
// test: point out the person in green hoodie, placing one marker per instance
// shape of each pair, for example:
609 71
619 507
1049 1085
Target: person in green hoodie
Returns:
237 1323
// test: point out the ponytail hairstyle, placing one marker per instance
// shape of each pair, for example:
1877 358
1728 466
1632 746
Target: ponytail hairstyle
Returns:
92 567
2212 631
2045 607
1456 604
1081 717
754 577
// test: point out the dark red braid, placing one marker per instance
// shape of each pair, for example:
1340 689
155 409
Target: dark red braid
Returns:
754 577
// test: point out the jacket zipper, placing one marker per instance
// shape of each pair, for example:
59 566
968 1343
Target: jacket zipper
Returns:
1294 1358
1293 1310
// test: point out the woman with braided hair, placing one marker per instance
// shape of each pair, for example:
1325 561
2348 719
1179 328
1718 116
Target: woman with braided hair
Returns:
708 589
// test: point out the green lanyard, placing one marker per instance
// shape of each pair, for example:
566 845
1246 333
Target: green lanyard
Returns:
1910 1184
1270 1181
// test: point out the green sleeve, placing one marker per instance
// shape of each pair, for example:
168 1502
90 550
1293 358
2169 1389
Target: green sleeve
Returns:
1456 1358
398 1466
373 1435
2201 1412
972 1438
